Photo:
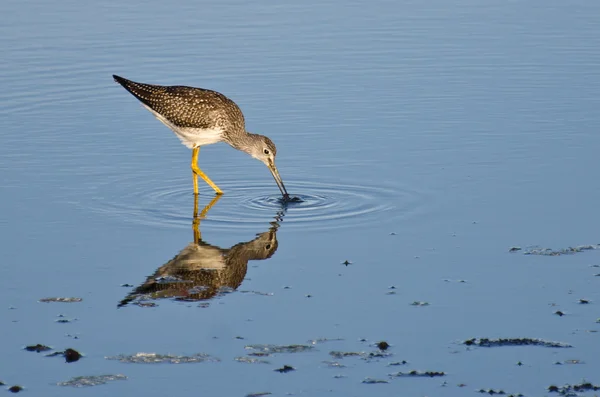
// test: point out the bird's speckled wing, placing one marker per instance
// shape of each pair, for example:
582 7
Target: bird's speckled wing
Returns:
187 107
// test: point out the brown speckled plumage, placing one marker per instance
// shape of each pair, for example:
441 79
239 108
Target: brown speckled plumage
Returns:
201 117
189 107
191 275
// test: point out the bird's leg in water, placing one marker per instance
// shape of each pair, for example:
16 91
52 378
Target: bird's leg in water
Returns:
198 172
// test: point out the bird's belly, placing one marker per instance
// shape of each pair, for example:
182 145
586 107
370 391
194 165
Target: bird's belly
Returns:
189 136
196 257
193 137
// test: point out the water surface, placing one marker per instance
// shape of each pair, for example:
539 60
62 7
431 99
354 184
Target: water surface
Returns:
427 139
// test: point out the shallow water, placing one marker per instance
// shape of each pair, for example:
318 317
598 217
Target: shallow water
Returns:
426 140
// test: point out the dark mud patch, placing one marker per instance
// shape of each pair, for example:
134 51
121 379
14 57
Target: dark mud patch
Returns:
418 374
286 199
572 390
285 369
485 342
273 349
363 355
259 354
373 381
61 300
155 358
89 381
397 363
383 345
535 250
70 355
37 348
62 319
339 354
583 301
493 392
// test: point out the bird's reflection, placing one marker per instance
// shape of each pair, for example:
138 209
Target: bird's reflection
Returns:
200 270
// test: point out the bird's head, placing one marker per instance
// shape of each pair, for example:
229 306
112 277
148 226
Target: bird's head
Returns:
262 148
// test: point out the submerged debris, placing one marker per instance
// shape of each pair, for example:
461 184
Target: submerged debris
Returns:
15 389
323 340
562 251
259 394
419 303
363 355
155 358
569 362
397 363
570 390
37 348
61 300
271 349
334 364
142 303
250 360
372 381
284 369
88 381
338 354
256 293
485 342
514 249
418 374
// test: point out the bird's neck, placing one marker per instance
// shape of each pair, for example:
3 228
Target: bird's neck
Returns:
241 140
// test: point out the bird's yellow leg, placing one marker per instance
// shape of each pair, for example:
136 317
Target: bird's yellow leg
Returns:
196 220
198 172
209 206
195 178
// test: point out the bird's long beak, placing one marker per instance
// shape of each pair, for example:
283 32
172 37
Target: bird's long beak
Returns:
278 180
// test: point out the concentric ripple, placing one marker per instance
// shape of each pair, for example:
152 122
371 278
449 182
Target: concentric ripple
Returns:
245 204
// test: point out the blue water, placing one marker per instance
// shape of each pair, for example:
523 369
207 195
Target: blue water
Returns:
427 139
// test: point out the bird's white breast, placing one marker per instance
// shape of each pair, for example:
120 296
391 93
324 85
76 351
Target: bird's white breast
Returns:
191 137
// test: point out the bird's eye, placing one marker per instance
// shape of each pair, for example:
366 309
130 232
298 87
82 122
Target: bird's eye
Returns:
266 151
268 246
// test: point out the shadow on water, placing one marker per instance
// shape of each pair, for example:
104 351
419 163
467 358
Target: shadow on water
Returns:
201 271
